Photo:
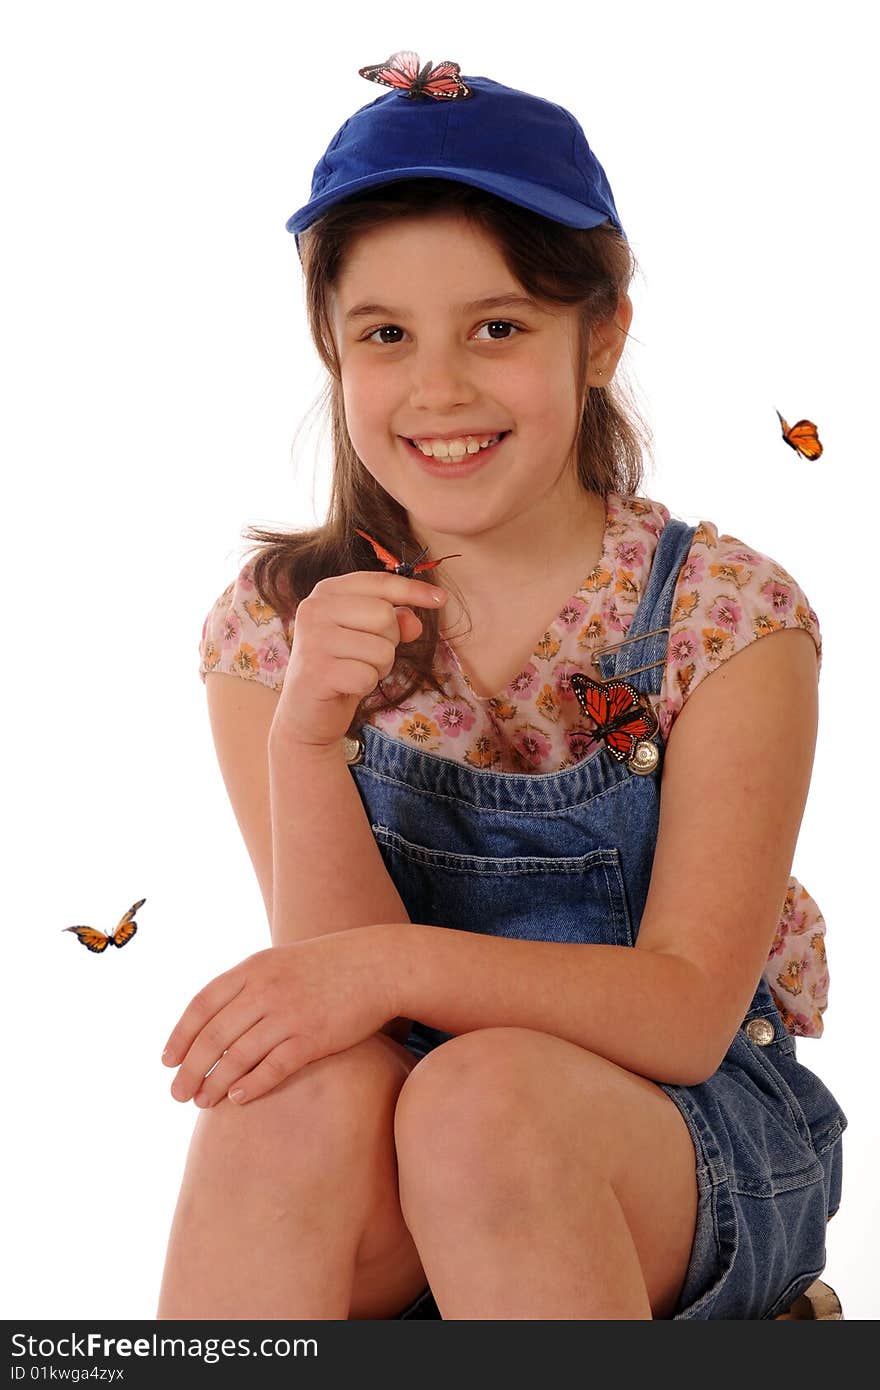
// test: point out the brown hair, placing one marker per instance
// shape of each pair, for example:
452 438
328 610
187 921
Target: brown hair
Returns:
561 265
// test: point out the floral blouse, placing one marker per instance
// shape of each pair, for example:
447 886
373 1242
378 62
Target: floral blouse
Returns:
727 596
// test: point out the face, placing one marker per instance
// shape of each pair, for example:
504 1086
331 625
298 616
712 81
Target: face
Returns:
424 364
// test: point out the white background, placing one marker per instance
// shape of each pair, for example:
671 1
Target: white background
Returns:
155 368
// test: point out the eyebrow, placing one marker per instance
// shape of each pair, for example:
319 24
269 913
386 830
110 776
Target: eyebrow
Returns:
491 301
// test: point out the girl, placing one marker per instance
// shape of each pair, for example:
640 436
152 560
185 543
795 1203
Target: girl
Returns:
524 1043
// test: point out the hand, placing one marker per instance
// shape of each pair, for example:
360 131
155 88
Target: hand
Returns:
281 1009
345 639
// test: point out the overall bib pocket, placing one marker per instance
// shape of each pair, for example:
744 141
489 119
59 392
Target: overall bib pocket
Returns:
578 898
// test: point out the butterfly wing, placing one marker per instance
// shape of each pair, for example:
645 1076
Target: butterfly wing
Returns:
127 926
90 937
592 698
429 564
640 724
804 437
401 71
443 81
389 561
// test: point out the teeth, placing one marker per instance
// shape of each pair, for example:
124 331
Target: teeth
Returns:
455 448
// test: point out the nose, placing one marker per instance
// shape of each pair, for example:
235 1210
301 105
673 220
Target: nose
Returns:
439 379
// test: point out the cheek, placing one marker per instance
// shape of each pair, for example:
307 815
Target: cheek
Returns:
367 404
544 400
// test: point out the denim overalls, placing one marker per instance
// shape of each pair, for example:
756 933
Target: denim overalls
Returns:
566 856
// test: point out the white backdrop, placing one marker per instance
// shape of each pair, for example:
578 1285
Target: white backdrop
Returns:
156 366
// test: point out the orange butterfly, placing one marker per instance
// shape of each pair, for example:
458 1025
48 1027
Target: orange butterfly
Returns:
401 70
803 437
616 710
95 940
404 567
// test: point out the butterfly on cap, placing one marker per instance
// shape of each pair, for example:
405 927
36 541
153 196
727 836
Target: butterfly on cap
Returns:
95 940
408 568
618 713
402 71
803 437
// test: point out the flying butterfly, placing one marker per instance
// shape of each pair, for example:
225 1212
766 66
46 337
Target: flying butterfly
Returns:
95 940
408 568
803 437
616 710
402 72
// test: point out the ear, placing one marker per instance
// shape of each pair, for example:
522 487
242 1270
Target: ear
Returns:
607 342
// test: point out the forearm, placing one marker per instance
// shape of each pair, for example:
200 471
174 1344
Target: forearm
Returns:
640 1009
328 874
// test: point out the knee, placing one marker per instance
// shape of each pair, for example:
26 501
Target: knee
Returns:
461 1118
320 1108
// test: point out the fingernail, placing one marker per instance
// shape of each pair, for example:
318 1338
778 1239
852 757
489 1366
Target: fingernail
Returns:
167 1056
438 595
236 1095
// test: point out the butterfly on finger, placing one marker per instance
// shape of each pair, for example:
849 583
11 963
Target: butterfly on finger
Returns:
95 940
408 568
626 725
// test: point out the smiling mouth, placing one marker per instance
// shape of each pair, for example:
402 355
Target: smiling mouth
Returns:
459 458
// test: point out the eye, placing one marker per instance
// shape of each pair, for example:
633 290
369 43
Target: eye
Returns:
394 328
495 323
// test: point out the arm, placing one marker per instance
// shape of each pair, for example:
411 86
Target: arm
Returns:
330 874
318 866
735 780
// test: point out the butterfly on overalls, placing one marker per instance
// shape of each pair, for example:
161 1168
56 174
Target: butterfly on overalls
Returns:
95 940
408 568
803 437
618 713
402 71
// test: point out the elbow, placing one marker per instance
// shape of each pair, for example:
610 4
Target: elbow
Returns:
704 1061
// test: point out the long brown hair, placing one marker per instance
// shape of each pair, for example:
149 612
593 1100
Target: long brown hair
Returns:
560 265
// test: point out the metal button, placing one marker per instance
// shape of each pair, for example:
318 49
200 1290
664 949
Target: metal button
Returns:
760 1030
644 757
354 748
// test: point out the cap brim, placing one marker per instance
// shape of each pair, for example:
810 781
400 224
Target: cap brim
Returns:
533 196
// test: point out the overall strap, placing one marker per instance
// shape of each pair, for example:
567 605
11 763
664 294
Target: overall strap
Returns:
647 637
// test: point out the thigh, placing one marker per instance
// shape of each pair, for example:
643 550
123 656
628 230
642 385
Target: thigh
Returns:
496 1109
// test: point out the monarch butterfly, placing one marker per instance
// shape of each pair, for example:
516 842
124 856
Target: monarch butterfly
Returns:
95 940
401 71
803 437
404 567
616 710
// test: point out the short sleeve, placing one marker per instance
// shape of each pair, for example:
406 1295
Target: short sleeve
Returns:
243 636
727 596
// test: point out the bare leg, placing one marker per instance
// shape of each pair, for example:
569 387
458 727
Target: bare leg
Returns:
535 1259
284 1199
540 1180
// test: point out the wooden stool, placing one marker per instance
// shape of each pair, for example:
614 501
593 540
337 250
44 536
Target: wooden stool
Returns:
819 1301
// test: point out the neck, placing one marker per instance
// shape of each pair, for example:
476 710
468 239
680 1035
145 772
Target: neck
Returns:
546 545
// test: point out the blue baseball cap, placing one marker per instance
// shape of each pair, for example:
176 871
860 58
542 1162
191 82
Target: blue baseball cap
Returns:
520 147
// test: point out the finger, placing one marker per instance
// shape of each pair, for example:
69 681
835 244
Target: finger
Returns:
359 614
372 647
203 1006
219 1034
394 588
283 1061
240 1059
